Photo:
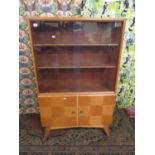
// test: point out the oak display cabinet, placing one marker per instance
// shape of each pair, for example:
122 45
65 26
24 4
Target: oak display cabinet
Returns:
76 62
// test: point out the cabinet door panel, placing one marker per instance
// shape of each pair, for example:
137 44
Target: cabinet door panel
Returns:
108 109
58 111
90 108
109 99
95 110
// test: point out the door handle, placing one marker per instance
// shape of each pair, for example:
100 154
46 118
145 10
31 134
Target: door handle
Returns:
73 112
81 112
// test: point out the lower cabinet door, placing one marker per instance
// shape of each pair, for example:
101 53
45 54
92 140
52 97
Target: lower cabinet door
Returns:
58 111
108 109
95 110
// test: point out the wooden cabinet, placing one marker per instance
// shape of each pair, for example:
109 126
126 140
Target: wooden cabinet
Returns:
76 63
76 110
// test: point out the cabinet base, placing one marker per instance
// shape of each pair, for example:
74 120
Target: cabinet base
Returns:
48 129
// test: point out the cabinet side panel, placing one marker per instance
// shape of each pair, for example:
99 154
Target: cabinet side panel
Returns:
33 54
119 55
108 109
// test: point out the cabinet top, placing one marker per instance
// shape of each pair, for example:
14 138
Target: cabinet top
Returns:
77 19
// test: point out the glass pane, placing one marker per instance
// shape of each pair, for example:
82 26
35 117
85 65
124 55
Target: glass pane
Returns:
76 32
76 80
76 57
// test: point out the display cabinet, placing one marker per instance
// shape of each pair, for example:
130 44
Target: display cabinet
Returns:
76 63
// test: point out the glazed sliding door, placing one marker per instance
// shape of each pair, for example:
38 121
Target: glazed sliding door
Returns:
77 32
76 56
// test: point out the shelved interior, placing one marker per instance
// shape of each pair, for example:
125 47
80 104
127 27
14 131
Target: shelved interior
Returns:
76 80
76 57
70 33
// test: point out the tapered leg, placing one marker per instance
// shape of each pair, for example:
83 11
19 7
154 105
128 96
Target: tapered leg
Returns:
46 133
106 130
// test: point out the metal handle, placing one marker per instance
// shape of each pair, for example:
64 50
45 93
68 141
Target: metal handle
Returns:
73 112
81 112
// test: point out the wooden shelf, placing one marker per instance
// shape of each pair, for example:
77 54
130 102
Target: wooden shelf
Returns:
76 67
76 81
76 89
72 57
82 45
